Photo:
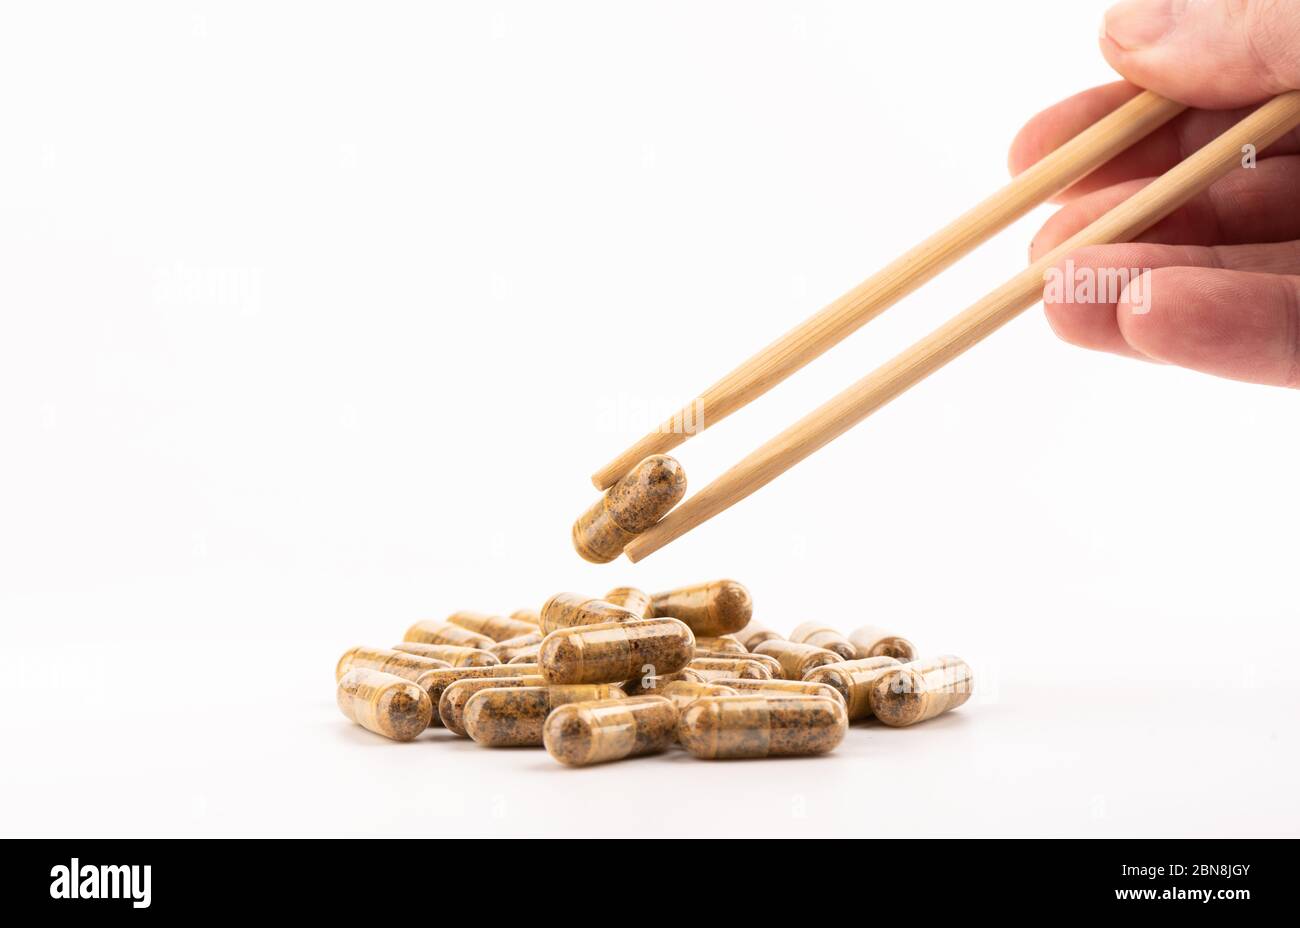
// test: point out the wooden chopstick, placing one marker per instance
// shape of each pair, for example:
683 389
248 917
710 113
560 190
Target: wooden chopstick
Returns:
1136 214
831 325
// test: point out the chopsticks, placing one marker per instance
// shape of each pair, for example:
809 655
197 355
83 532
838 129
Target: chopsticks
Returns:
815 335
1136 214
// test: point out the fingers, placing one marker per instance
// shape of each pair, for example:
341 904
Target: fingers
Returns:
1206 53
1257 205
1149 157
1233 311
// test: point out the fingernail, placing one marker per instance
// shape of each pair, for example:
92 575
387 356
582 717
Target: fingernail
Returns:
1137 24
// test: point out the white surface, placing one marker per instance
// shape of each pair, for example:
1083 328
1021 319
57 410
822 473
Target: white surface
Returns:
301 306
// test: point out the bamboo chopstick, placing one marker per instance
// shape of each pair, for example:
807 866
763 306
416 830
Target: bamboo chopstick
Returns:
818 333
1136 214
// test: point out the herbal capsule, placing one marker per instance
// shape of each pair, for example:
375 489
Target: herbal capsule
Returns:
654 685
616 651
796 659
921 690
684 692
853 680
744 669
583 733
639 500
753 634
781 687
726 643
454 654
755 725
451 705
631 599
870 641
507 650
531 616
771 663
429 632
710 609
569 610
398 663
513 717
823 636
527 655
439 680
384 703
496 627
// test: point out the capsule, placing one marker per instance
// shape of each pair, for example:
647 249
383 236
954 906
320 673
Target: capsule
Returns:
496 627
823 636
527 655
454 654
771 663
853 680
781 687
398 663
684 692
870 641
639 500
921 690
531 616
507 650
429 632
583 733
796 659
753 634
724 643
385 703
569 610
512 717
654 684
757 725
438 681
710 609
451 705
744 669
616 651
631 599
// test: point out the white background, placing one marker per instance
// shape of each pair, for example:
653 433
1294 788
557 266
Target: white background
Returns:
316 319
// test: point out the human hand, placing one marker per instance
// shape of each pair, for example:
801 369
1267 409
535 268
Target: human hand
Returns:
1222 293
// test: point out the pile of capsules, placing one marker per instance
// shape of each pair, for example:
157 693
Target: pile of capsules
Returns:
597 680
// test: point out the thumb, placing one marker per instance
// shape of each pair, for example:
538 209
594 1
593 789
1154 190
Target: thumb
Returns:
1211 54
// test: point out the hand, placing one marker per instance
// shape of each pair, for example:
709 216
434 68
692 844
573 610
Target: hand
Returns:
1223 291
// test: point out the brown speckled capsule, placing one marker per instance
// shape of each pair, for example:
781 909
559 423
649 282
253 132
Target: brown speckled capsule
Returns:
631 599
508 650
753 634
583 733
921 690
710 609
741 668
496 627
384 703
796 659
720 643
685 692
654 685
569 610
527 655
513 717
398 663
639 500
438 681
781 687
771 663
531 616
454 654
870 641
429 632
616 651
451 705
853 680
755 725
823 636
